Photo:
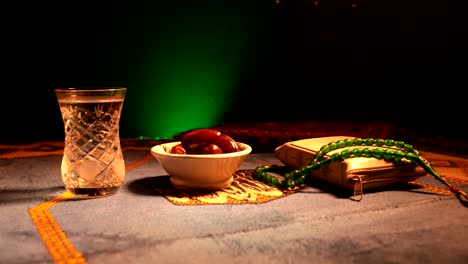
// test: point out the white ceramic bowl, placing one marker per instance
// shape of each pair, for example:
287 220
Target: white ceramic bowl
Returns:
200 171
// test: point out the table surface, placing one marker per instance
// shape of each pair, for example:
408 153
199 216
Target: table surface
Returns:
42 223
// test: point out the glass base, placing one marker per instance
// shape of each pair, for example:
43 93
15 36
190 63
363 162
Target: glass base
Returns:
94 192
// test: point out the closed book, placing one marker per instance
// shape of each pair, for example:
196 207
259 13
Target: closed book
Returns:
356 173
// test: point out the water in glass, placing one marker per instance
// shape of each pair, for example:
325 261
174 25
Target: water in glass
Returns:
92 164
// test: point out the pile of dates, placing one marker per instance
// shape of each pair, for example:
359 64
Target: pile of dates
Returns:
205 141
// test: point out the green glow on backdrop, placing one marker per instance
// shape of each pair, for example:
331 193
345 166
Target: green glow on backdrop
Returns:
192 85
190 59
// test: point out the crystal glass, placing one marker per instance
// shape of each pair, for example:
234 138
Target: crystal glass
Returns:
92 163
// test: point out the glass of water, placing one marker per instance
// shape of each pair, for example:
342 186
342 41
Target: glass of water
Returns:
92 165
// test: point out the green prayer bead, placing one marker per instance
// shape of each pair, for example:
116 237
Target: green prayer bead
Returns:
335 157
398 155
379 142
378 153
349 142
410 148
345 154
411 156
325 162
320 154
357 152
299 181
341 144
389 142
275 182
367 152
357 142
399 144
325 149
296 173
262 176
388 155
314 165
303 170
368 142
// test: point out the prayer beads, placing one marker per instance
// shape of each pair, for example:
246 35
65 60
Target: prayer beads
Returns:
386 149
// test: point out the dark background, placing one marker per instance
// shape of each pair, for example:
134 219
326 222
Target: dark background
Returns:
402 61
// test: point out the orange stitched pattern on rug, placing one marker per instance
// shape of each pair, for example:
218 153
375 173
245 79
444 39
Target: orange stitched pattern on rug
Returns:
54 238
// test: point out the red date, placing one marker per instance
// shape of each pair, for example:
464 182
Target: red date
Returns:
212 149
195 140
178 149
205 141
226 143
